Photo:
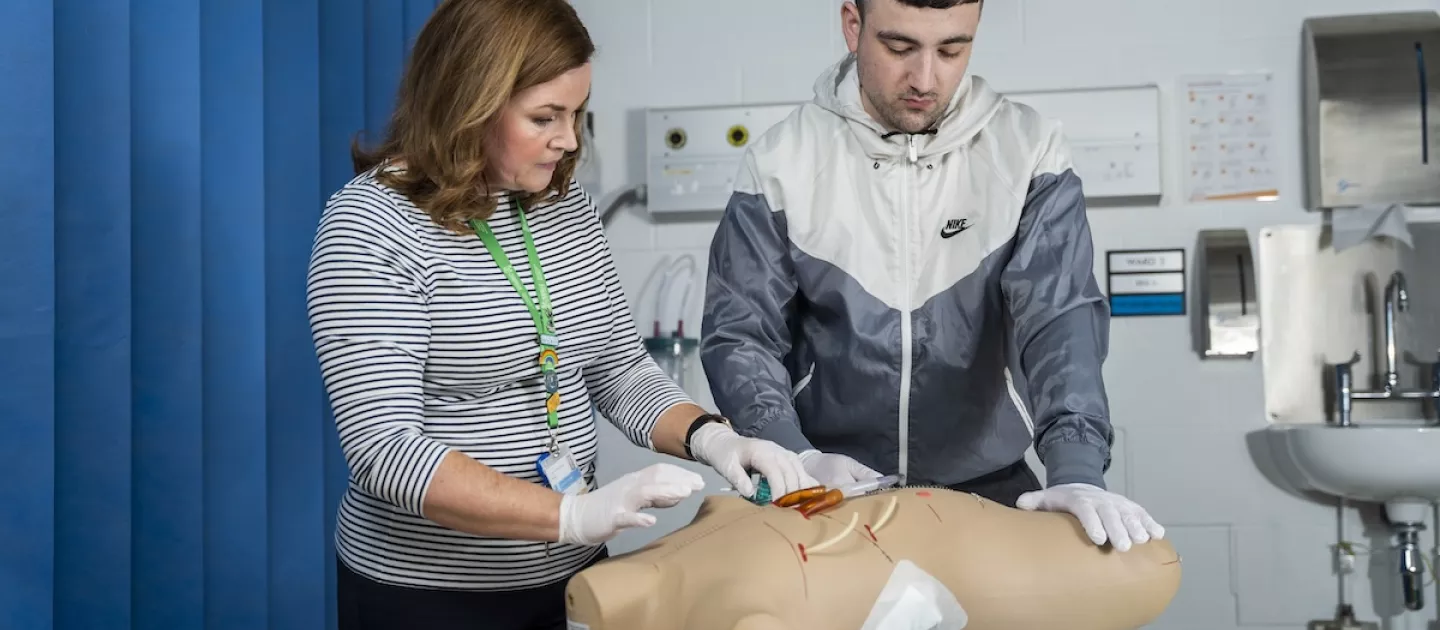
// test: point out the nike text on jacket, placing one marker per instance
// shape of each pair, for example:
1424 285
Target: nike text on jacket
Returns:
911 301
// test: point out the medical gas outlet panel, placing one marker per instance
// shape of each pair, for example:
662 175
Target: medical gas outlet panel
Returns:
694 153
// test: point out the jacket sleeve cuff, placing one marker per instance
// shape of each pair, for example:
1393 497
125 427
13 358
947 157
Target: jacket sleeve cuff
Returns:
780 430
1075 462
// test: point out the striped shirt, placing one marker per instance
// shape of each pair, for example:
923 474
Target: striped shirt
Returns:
426 348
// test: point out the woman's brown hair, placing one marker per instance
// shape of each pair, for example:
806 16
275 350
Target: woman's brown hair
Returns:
470 58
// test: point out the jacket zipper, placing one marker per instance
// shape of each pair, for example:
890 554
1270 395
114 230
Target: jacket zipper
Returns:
905 324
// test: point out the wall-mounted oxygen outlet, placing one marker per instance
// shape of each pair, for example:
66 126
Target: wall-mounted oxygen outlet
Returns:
693 153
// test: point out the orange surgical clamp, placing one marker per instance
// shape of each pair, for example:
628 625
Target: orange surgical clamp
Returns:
800 496
825 501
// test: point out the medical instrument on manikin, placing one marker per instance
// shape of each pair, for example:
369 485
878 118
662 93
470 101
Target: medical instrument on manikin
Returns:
762 490
803 496
869 485
815 499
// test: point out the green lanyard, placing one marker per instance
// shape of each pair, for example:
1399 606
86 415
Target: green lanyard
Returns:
542 315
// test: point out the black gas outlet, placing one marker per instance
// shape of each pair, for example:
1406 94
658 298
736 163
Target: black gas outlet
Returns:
675 138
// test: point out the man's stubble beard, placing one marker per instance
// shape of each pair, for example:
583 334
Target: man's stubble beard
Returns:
893 115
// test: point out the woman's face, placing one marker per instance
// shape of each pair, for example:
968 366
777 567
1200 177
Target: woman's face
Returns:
534 130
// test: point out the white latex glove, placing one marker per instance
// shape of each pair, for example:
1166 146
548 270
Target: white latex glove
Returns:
1104 514
835 470
734 455
597 516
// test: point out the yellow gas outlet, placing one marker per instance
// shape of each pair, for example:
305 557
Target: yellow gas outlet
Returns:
737 136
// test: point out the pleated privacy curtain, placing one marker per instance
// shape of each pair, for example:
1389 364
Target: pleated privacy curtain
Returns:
167 460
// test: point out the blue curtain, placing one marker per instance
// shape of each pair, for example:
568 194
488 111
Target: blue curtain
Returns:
167 459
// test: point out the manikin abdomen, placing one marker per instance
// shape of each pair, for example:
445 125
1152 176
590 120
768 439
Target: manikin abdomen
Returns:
738 565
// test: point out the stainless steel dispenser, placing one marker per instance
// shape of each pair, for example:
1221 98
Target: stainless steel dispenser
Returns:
1372 109
1229 325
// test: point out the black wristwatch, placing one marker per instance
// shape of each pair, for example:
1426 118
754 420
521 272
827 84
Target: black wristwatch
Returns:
700 422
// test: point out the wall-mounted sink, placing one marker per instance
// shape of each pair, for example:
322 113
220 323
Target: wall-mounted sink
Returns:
1320 439
1383 463
1394 464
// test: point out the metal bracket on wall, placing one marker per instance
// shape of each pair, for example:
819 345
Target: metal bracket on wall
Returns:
1228 316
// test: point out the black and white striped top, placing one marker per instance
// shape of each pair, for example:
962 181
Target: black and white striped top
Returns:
425 348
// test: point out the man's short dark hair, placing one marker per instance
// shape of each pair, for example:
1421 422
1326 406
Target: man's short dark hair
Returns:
922 4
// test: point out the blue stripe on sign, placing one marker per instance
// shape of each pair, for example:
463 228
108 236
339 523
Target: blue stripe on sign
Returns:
1148 304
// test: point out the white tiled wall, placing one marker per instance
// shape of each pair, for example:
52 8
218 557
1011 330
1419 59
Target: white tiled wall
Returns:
1255 556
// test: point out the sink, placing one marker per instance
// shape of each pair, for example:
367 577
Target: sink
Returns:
1394 464
1390 463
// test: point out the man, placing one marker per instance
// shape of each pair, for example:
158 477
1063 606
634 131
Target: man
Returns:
900 260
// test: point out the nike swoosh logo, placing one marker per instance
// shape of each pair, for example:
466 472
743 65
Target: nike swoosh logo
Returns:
947 233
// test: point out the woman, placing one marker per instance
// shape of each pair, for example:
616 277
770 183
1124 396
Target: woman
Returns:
467 314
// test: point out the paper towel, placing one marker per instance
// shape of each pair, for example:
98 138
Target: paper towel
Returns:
914 600
1353 226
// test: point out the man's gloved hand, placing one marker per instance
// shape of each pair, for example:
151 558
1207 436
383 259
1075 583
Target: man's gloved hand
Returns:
834 470
597 516
733 456
1104 514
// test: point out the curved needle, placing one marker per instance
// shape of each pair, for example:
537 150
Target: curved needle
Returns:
854 518
885 517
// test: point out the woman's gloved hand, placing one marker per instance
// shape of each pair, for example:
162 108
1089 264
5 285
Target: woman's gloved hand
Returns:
733 456
835 470
597 516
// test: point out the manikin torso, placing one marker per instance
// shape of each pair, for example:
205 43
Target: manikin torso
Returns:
742 566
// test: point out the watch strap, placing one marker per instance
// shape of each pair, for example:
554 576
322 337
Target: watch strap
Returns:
701 421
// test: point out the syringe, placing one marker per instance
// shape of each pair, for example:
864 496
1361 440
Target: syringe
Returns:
869 485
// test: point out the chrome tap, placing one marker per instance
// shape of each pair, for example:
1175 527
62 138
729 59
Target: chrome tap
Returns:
1396 298
1344 390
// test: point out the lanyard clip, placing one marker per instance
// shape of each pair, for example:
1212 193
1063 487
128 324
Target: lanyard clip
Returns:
554 445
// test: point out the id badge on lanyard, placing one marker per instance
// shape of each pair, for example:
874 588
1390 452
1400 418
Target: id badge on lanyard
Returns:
556 466
560 472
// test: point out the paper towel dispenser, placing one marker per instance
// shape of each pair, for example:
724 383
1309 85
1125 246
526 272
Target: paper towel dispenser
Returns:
1372 109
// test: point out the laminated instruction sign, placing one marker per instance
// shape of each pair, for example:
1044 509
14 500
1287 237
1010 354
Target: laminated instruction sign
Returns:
1146 283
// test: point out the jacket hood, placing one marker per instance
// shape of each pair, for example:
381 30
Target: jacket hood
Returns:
837 90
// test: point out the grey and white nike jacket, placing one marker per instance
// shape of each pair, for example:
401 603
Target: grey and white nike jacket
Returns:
923 303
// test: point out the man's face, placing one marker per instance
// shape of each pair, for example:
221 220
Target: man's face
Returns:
911 59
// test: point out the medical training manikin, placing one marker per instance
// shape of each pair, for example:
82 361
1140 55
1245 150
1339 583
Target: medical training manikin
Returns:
945 559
